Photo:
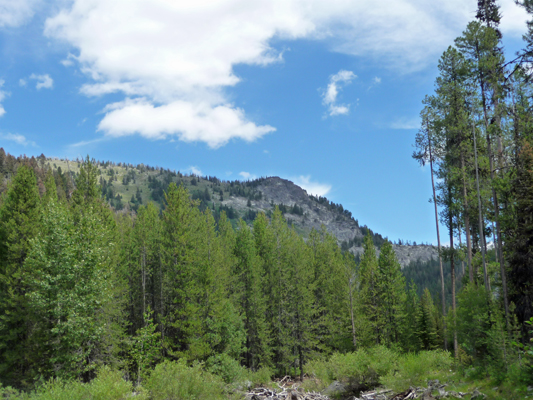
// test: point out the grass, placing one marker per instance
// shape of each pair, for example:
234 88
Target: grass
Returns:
226 379
380 366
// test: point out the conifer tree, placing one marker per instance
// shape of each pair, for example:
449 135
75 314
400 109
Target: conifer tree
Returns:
519 238
178 287
72 297
19 225
369 295
391 286
427 326
147 249
410 335
332 294
218 328
50 188
302 309
250 299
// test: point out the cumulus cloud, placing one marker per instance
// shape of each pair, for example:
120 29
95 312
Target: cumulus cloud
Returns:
193 169
189 121
513 18
329 97
15 13
43 81
167 56
247 176
314 188
17 138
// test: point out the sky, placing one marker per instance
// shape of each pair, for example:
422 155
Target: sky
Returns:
324 93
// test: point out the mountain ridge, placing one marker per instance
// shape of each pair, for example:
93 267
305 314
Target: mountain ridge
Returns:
127 186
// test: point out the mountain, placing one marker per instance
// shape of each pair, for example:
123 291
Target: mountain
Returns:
127 186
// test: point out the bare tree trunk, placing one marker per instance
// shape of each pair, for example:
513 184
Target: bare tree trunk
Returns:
438 244
161 311
467 222
301 362
144 281
461 246
452 263
481 230
351 315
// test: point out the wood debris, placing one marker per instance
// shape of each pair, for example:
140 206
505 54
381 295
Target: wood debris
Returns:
284 393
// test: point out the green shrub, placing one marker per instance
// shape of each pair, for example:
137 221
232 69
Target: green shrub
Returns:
11 394
263 376
227 368
414 369
363 366
109 385
58 389
177 381
233 373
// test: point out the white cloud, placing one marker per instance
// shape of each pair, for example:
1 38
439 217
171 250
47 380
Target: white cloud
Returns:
69 61
22 82
43 81
329 97
314 188
376 80
189 121
17 138
3 95
406 123
194 170
247 176
14 13
180 55
513 18
84 143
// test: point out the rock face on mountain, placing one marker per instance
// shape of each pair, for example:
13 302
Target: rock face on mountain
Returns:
142 184
313 214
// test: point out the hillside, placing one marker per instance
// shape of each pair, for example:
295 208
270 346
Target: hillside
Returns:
126 186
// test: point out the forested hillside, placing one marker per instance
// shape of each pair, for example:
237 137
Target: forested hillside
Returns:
137 281
83 286
126 187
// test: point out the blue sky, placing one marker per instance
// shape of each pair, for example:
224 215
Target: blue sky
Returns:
324 93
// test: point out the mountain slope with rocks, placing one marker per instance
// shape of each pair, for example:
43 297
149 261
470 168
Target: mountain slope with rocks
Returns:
126 187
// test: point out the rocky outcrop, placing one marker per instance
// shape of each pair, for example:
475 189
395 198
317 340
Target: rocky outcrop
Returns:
275 191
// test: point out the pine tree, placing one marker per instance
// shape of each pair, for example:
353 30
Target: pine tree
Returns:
520 235
410 334
19 225
71 296
302 309
391 286
178 287
50 187
250 299
369 296
87 189
146 249
331 292
427 326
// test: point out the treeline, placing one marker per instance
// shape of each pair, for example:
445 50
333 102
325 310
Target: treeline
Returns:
82 286
477 137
